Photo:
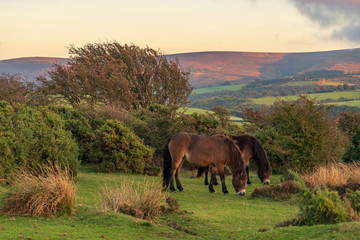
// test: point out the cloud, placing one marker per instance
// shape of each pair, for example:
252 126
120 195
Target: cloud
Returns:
340 16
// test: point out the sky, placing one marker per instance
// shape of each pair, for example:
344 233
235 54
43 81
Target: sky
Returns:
47 28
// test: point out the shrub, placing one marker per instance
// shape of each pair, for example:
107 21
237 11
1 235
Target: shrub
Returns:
31 137
117 149
81 126
49 194
353 153
135 199
354 198
349 122
320 206
298 135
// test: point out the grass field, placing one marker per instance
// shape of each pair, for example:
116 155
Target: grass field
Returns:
203 216
203 111
318 96
218 89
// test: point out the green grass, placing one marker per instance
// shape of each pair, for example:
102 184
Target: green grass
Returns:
318 96
204 216
204 111
355 103
218 89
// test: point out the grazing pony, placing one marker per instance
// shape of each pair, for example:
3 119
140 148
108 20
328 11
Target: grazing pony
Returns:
203 151
250 148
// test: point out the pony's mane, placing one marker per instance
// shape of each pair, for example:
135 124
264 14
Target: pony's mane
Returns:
235 152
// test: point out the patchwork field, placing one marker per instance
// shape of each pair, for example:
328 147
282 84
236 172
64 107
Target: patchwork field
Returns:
354 95
218 89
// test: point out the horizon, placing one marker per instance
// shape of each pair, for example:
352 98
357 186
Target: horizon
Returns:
43 57
46 28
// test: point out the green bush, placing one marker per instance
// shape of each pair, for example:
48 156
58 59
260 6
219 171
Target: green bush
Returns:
298 135
354 198
82 127
353 153
117 149
320 206
31 137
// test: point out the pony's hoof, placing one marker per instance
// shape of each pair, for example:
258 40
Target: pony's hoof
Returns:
174 191
216 184
206 183
249 183
212 191
226 194
182 190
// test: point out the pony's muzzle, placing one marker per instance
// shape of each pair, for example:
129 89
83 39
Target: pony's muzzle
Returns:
266 182
241 192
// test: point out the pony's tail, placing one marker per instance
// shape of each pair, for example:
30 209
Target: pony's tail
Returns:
200 172
166 165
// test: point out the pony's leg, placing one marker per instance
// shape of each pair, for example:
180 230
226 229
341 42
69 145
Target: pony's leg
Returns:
176 164
172 188
248 180
222 178
206 181
212 177
178 183
215 181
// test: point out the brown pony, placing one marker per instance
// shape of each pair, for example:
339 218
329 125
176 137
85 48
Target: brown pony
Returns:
203 151
250 148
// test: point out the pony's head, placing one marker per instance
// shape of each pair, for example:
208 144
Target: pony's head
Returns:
264 174
237 165
239 181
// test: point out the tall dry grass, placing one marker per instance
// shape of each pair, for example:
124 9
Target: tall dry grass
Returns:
51 193
334 174
141 200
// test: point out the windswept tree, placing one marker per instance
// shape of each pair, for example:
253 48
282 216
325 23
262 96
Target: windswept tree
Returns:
121 76
12 89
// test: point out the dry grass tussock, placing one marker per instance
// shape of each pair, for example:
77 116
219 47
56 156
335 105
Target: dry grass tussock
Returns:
141 200
51 193
334 175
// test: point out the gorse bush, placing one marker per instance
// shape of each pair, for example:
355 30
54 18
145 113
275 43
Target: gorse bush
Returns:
298 135
141 200
31 137
81 126
117 149
51 193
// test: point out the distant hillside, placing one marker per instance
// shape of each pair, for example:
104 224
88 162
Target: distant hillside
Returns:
30 67
215 68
